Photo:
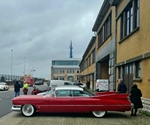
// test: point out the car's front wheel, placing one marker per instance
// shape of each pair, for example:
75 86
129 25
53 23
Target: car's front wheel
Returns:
99 114
28 110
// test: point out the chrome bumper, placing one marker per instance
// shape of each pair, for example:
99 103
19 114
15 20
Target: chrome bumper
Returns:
16 108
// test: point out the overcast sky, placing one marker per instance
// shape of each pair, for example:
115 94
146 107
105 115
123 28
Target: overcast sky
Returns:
34 32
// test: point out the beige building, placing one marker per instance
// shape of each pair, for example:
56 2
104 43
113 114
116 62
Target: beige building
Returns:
133 43
122 45
65 69
103 66
87 64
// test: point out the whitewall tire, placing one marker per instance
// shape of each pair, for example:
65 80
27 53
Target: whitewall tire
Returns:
28 110
99 114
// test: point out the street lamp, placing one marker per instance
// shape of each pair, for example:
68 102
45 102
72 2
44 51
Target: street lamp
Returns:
11 62
24 66
32 72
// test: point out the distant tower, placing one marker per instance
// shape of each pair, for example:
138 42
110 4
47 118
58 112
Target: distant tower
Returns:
71 49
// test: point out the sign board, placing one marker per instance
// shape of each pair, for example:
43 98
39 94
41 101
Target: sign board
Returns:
102 85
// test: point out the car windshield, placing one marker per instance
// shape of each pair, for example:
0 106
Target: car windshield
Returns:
89 92
49 92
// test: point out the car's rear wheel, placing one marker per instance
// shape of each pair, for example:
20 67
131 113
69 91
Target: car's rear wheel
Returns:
28 110
99 114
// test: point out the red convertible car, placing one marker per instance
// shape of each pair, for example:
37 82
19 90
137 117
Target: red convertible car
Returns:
72 99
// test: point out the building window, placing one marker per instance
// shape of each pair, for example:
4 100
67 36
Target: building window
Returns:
138 69
120 72
131 68
100 37
126 71
55 71
136 15
129 18
71 70
61 77
55 78
93 56
61 70
107 27
89 59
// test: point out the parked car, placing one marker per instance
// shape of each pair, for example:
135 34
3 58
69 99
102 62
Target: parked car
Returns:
79 84
55 83
51 85
37 82
3 86
71 99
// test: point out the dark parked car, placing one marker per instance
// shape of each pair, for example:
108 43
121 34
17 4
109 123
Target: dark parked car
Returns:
38 82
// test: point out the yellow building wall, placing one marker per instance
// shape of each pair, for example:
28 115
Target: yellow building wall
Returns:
112 10
137 44
145 84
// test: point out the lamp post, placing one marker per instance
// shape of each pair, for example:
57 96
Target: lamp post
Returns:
24 66
11 62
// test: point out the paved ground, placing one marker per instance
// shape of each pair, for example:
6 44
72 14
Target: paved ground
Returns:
112 118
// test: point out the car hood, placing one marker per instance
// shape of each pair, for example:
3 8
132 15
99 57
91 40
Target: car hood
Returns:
27 97
4 85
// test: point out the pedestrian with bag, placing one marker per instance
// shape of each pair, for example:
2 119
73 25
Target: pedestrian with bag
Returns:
25 88
135 97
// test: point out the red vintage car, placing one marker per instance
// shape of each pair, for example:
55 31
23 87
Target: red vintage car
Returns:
72 99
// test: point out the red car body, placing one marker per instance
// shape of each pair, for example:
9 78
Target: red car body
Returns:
101 102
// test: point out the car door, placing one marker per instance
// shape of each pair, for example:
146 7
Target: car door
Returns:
83 101
62 101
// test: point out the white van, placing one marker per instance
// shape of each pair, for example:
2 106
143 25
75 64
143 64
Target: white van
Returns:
55 83
102 85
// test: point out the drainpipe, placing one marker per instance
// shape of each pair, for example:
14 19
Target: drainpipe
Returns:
115 52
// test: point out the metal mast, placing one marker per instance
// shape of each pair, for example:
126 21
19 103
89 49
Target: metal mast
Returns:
71 50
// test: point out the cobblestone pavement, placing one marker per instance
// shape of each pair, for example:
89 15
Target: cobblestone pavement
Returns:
112 118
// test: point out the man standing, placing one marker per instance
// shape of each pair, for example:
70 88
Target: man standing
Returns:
122 88
17 88
25 88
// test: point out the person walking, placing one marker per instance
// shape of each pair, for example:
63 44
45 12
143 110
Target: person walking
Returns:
17 88
25 88
135 97
122 88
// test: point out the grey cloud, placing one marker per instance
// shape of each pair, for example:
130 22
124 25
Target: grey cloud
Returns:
41 30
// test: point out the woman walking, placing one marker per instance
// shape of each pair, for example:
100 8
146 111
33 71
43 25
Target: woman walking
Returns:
135 98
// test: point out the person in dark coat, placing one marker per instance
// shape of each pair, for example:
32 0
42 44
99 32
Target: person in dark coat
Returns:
17 88
88 84
122 88
135 97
